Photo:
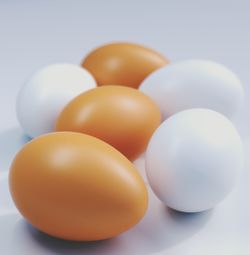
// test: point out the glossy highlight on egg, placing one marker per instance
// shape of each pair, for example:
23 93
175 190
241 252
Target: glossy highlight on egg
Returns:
46 92
195 83
76 187
122 63
194 159
121 116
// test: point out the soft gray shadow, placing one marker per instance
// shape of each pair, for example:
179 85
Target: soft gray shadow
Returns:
160 230
29 241
11 141
163 228
66 247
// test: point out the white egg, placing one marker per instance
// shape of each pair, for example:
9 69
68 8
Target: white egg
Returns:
193 160
46 93
194 84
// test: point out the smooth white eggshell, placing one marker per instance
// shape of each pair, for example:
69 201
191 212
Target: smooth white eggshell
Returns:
194 84
193 160
46 93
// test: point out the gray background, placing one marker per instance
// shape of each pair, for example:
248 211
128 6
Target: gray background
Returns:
37 33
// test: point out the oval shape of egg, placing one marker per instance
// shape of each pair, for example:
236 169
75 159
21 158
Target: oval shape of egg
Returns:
76 187
194 84
193 160
124 64
45 94
121 116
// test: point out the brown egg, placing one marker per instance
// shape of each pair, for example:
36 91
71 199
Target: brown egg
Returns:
121 116
76 187
124 64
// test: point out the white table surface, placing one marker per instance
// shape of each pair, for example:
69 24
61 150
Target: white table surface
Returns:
37 33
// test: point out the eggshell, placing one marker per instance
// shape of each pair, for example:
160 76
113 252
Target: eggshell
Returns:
123 64
193 160
194 84
121 116
76 187
45 94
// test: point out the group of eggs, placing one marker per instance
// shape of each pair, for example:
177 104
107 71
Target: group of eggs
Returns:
75 180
